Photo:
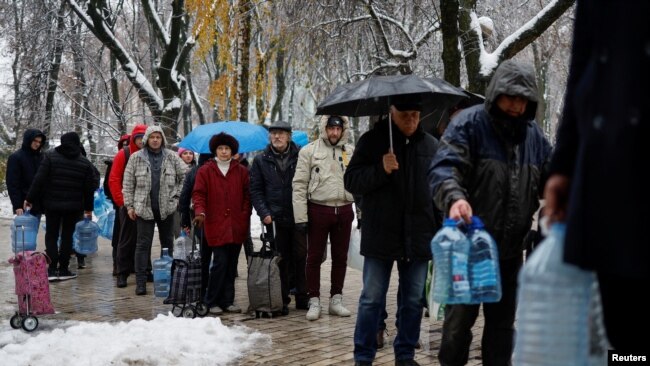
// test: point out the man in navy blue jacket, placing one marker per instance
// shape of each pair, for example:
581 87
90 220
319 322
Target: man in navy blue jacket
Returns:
21 169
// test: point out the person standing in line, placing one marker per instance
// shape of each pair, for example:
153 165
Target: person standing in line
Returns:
125 255
123 141
21 169
399 221
64 182
271 193
597 181
322 207
491 163
153 180
222 207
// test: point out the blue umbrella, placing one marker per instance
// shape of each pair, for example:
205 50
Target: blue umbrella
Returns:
250 137
300 138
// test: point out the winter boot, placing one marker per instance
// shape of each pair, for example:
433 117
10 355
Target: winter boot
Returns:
336 306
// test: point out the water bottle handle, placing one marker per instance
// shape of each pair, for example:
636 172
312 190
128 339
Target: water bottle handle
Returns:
86 219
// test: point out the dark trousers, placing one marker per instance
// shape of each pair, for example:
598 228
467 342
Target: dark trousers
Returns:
498 332
60 223
145 229
126 243
292 247
625 316
116 236
335 222
221 286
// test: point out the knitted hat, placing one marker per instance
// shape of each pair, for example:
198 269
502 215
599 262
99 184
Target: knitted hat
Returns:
224 139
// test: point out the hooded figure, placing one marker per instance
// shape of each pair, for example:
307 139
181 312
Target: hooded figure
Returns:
65 184
21 169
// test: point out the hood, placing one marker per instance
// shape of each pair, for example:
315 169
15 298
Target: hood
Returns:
152 129
513 78
28 136
137 130
123 139
70 145
346 130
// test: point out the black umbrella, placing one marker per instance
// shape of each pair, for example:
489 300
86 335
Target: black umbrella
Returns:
373 96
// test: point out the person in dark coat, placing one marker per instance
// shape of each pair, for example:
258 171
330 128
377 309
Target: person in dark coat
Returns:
123 141
490 164
399 222
597 183
271 193
65 183
21 169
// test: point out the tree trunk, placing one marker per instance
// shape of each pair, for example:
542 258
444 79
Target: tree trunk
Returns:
243 49
280 84
115 97
471 49
450 51
54 69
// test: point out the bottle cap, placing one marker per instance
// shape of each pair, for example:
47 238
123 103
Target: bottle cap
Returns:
450 222
476 223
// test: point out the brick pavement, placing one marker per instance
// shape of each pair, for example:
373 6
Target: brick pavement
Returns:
296 341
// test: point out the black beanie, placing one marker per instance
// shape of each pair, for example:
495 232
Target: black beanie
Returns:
70 138
223 139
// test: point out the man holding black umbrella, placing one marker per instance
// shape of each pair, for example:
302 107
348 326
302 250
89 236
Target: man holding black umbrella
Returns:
393 183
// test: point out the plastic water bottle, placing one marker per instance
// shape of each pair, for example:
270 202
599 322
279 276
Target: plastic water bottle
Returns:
484 276
85 236
162 272
553 312
441 247
180 246
24 232
460 272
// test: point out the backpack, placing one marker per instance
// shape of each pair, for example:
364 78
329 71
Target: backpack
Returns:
109 163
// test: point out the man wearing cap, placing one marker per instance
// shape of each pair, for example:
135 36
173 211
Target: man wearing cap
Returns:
65 183
490 164
322 207
271 190
125 254
153 180
399 222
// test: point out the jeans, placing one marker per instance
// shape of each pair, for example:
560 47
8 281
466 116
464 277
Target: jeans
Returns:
376 277
498 333
145 230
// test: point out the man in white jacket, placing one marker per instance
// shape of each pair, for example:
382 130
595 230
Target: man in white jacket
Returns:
322 207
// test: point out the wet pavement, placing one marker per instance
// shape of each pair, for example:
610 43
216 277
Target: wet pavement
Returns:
92 296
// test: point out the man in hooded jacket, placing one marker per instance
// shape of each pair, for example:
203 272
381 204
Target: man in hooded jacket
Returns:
65 183
21 169
490 164
153 180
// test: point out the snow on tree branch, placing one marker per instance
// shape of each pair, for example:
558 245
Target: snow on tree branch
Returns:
156 23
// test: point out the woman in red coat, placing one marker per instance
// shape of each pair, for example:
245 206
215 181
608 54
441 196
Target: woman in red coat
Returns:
222 203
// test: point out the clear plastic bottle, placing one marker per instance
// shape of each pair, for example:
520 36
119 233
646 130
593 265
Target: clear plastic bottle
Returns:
180 246
162 272
441 247
484 276
24 232
553 312
85 236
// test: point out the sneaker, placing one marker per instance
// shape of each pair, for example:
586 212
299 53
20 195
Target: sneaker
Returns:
314 309
233 309
336 306
216 310
52 275
81 262
65 274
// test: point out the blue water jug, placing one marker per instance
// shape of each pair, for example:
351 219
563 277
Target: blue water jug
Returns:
442 247
484 275
553 312
162 272
24 232
85 236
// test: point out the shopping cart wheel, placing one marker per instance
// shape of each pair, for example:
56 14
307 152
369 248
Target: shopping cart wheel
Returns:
177 311
189 312
30 323
15 321
202 309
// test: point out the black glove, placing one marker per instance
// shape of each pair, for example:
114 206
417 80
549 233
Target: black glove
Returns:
301 228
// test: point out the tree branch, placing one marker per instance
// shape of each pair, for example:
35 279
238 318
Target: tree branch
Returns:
156 23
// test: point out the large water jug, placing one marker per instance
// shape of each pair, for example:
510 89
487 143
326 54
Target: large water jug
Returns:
442 246
554 305
24 232
484 276
85 236
162 272
181 246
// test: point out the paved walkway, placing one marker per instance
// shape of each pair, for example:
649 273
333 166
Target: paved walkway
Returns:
296 341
